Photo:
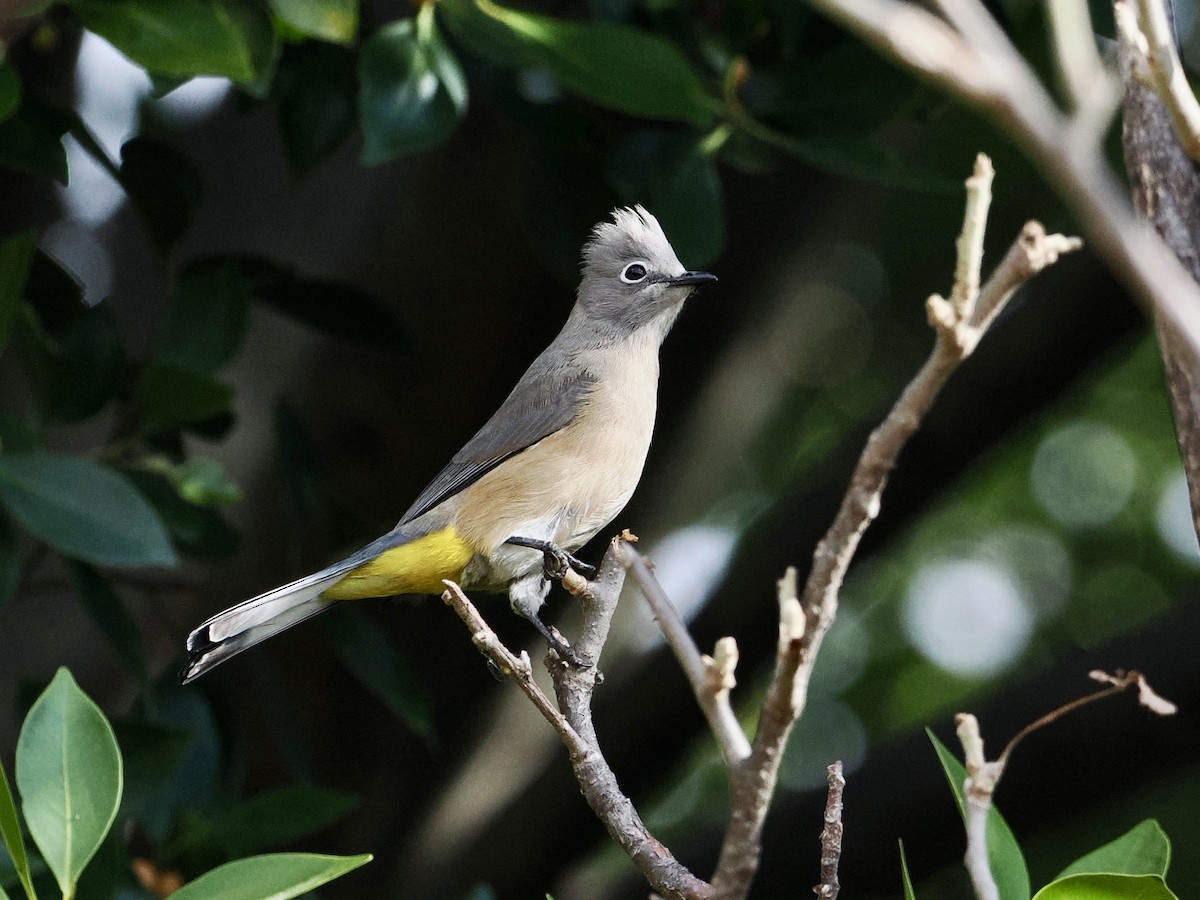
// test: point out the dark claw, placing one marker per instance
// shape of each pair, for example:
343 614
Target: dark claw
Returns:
557 560
559 644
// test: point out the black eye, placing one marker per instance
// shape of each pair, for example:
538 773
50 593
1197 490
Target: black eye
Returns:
634 272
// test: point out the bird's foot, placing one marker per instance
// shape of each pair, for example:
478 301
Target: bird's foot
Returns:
557 561
559 644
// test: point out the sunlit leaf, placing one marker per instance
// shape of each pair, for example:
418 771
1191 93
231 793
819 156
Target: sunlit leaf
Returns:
185 37
1005 858
164 187
279 876
329 20
1107 887
111 617
171 396
376 663
1143 850
314 93
69 775
616 66
16 257
207 316
413 91
10 90
83 509
198 479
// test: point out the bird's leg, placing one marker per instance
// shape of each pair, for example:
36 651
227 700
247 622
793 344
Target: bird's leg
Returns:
525 596
557 560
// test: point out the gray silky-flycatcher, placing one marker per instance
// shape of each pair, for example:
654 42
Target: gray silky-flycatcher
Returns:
555 464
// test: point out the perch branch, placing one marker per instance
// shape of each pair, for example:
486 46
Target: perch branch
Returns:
711 677
1147 31
831 835
804 621
573 724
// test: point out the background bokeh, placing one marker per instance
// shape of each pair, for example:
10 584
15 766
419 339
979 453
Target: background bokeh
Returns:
399 283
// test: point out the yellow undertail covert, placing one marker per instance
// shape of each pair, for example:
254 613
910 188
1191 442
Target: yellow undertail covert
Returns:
417 567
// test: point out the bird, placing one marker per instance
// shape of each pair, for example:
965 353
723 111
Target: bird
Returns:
556 463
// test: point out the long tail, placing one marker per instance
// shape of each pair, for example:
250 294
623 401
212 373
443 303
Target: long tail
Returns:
242 626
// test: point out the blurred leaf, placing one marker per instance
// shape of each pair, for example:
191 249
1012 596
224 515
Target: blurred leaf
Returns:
83 509
111 617
198 479
277 875
10 561
314 92
69 775
53 292
31 140
152 752
10 831
854 154
1143 850
273 818
164 187
206 318
616 66
171 397
413 91
1004 853
328 20
185 37
906 879
366 651
669 173
198 531
10 90
16 258
84 366
1107 887
328 306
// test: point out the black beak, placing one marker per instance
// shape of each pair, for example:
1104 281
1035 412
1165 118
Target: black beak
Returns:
690 278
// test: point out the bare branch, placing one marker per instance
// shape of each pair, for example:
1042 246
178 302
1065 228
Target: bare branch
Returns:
970 240
1093 90
831 835
980 785
711 677
1166 71
574 726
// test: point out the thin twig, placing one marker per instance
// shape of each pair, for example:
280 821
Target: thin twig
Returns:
978 788
831 835
711 677
805 621
1166 72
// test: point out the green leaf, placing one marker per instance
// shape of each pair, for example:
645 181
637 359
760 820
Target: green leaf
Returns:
164 187
670 174
152 753
277 875
183 38
1107 887
314 93
31 139
413 92
328 20
69 775
85 365
111 617
279 817
10 90
198 531
906 879
373 659
83 509
328 306
1006 860
1143 850
616 66
10 561
16 258
10 831
207 317
171 397
198 479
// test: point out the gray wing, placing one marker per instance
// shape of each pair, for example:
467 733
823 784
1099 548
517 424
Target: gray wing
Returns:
542 403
